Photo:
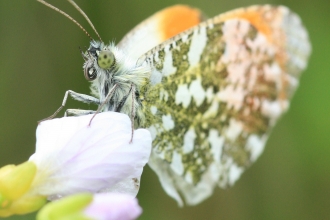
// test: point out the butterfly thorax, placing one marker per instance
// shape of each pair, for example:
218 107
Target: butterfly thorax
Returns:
115 78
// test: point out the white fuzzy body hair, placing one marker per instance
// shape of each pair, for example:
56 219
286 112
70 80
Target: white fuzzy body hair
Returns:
124 73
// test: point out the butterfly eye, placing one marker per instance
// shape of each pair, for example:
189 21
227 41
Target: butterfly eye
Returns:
106 59
90 73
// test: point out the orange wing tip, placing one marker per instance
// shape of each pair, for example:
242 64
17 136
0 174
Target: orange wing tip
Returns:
254 15
176 19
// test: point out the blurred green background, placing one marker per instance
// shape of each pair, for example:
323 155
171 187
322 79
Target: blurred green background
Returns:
40 60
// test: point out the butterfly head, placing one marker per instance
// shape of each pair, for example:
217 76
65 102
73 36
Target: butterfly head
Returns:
98 57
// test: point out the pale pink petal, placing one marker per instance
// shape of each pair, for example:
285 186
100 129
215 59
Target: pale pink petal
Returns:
113 206
77 158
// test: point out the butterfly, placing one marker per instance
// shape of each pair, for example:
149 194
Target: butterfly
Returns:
209 90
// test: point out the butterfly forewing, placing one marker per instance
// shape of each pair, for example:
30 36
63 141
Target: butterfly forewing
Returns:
215 93
158 28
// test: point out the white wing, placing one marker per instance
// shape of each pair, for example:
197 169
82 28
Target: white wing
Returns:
158 28
217 91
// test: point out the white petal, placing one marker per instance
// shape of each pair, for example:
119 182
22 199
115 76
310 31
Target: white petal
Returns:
130 186
74 157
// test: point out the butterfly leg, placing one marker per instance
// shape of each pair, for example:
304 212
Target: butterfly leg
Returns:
78 112
76 96
132 111
121 104
103 103
123 100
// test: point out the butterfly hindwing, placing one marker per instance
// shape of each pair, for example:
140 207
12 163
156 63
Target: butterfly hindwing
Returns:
215 93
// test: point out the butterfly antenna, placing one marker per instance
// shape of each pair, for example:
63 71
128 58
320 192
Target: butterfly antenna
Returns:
86 17
66 15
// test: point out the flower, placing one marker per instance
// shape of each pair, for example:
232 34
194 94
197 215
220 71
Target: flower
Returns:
72 157
106 206
15 197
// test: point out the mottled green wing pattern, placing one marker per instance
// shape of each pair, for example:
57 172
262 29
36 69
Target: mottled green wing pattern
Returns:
215 93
